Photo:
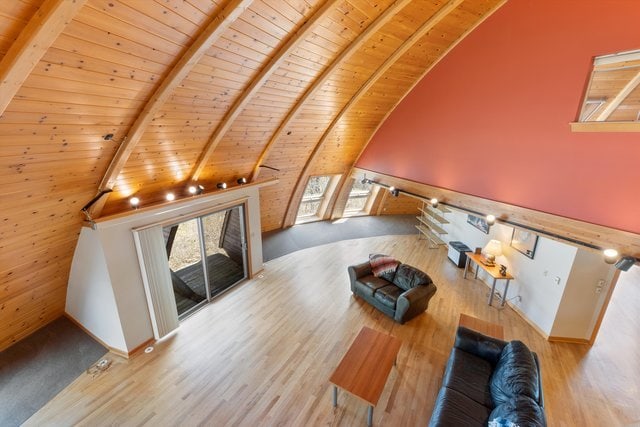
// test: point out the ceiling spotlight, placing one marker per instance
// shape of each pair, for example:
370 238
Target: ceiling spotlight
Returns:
221 185
491 219
200 189
193 190
434 202
394 191
610 256
135 202
242 180
171 197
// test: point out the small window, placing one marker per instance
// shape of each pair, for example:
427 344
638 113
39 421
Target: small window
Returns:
315 198
358 201
612 99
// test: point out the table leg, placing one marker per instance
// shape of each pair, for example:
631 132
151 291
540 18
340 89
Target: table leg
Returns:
493 289
477 268
466 267
504 297
370 416
335 396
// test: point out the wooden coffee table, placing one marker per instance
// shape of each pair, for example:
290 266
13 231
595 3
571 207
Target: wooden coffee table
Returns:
364 369
485 328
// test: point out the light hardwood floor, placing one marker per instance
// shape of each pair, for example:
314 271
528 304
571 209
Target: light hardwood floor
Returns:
262 354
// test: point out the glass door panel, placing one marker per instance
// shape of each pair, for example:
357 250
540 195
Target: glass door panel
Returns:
185 263
225 248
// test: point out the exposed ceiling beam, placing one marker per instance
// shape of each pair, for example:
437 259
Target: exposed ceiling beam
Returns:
353 47
619 98
388 63
218 25
257 83
41 32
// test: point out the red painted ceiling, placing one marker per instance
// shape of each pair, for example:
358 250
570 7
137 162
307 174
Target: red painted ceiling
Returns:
492 119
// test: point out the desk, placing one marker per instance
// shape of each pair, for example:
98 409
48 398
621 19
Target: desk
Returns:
493 271
364 369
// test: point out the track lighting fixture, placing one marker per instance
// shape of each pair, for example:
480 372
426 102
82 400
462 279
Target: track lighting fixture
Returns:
394 191
170 197
610 256
221 185
192 190
491 219
625 263
434 202
134 202
242 180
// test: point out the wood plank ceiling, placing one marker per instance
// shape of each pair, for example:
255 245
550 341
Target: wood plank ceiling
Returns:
192 91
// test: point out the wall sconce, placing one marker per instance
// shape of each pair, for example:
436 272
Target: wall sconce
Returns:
492 250
610 256
434 202
394 191
242 181
170 197
491 219
135 202
221 185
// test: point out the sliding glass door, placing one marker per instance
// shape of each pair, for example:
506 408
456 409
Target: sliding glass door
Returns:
206 255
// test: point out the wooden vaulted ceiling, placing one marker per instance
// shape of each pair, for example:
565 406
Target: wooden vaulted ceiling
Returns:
192 91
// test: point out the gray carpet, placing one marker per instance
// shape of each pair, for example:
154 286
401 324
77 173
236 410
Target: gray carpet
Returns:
281 242
37 368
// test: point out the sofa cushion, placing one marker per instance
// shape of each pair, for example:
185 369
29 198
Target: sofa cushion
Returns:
455 409
369 284
383 266
521 411
408 277
388 295
469 375
516 373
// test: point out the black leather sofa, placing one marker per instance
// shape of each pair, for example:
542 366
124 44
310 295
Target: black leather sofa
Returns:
489 382
401 296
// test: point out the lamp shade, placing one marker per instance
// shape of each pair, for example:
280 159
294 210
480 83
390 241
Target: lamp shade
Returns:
493 248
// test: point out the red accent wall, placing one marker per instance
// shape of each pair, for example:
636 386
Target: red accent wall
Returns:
492 119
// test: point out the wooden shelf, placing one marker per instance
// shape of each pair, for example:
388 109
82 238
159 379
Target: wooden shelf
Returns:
435 216
434 227
430 235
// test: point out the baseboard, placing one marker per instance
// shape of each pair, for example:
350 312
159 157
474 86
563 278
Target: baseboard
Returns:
569 340
526 319
116 351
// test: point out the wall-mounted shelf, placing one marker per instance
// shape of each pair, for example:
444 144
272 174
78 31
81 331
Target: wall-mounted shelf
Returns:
430 224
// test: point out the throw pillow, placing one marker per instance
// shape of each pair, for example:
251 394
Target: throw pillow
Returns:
516 373
383 266
408 277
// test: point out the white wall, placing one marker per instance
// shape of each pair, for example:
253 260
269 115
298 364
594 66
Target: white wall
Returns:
582 300
114 238
534 278
90 298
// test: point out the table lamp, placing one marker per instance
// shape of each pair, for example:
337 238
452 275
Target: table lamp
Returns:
492 250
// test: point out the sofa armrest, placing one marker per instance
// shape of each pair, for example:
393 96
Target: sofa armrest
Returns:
359 270
480 345
540 394
413 302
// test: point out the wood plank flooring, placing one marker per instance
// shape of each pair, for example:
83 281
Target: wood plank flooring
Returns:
262 354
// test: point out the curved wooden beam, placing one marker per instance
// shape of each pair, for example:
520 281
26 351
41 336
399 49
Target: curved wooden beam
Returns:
418 80
218 25
41 32
256 85
404 48
357 43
